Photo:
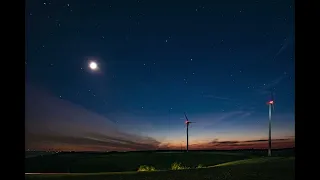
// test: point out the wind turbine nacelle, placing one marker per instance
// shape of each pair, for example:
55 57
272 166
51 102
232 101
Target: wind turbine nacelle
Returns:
270 102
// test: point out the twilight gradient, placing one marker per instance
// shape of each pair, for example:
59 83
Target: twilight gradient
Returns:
56 124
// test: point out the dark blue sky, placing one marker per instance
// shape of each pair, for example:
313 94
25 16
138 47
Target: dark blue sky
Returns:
215 60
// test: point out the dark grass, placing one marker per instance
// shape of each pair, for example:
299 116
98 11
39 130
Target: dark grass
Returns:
122 161
259 168
29 154
130 161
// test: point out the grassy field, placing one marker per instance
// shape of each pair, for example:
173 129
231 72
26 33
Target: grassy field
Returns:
220 165
259 168
76 163
29 154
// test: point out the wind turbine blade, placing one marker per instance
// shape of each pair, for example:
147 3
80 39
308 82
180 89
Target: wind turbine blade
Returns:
186 117
272 96
273 107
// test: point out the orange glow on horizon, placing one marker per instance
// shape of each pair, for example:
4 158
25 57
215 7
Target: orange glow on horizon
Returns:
222 145
231 145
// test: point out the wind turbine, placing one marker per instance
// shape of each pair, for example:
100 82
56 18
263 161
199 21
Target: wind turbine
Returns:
271 108
187 123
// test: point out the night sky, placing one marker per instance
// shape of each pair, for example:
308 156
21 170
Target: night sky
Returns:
218 61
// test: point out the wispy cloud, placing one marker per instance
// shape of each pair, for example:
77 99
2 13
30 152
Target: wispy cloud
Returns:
216 144
88 141
276 82
238 104
265 140
226 118
268 88
288 41
283 47
258 143
217 97
53 123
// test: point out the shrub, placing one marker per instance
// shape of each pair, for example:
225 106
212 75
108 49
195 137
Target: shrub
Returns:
200 166
178 166
146 168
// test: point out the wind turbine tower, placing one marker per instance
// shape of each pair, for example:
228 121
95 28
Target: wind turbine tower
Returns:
271 108
187 123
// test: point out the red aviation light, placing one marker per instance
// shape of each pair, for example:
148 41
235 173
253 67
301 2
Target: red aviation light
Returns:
270 102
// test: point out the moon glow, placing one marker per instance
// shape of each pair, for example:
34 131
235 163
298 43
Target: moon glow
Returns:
93 65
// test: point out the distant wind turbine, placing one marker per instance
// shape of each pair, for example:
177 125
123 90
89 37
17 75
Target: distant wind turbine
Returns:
271 108
187 123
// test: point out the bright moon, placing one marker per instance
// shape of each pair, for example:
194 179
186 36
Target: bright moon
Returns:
93 65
